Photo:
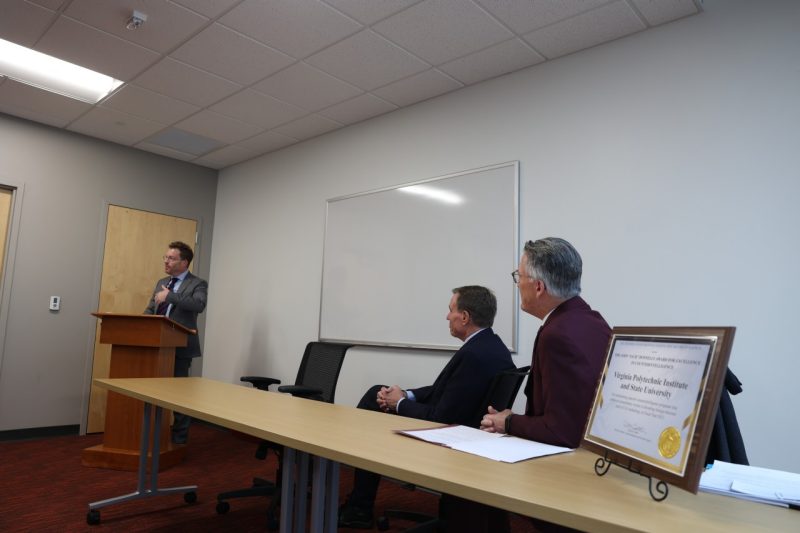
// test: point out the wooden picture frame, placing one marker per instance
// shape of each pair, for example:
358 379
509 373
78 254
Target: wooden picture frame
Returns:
654 378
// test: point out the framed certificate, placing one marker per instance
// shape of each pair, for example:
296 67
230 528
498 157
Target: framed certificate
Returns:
654 407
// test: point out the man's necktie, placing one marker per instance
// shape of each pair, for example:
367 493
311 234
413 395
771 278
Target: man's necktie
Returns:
163 306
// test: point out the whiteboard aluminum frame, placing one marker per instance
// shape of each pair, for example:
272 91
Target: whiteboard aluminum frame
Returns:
513 260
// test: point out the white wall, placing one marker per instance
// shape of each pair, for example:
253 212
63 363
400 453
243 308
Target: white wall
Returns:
668 158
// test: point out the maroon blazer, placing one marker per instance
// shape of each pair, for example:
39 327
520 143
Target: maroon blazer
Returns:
568 357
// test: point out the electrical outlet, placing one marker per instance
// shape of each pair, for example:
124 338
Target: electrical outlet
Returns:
55 303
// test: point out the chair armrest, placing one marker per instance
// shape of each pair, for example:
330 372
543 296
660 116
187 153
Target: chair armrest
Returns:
261 383
301 391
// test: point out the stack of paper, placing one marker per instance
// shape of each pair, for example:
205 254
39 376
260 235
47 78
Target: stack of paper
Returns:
752 483
494 446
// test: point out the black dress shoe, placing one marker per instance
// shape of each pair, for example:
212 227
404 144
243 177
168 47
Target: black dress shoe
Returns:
355 517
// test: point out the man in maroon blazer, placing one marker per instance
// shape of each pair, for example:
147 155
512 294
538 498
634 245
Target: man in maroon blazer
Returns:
568 353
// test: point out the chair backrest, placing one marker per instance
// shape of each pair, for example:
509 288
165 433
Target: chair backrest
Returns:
320 367
502 392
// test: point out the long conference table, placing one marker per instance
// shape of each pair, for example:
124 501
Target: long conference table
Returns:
562 488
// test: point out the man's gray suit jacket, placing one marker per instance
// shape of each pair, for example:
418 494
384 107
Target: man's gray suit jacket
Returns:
187 303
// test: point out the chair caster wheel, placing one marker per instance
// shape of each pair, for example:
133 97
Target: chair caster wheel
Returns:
383 523
223 507
190 497
93 517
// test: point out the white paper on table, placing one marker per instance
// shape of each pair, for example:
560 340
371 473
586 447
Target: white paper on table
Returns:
450 435
495 446
509 449
751 482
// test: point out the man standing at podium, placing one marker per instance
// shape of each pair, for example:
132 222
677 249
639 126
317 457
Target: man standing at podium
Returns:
180 296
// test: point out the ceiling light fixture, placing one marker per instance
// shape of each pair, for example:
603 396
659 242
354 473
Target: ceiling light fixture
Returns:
137 19
52 74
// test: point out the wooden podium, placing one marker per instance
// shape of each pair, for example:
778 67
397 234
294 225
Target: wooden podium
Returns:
142 346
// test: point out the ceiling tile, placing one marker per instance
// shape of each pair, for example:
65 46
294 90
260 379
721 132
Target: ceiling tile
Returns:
114 126
417 88
224 157
296 27
208 164
523 17
238 74
358 109
370 11
91 48
184 141
441 30
307 87
208 8
668 10
231 55
186 83
167 24
23 23
163 150
583 31
266 142
147 104
493 61
49 4
29 102
307 127
216 126
257 108
367 60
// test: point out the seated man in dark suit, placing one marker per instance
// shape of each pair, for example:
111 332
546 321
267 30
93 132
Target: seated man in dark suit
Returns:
452 399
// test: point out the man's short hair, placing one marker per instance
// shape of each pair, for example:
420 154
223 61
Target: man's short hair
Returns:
479 302
184 250
557 263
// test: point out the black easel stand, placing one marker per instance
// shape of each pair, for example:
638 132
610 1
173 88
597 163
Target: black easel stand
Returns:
658 493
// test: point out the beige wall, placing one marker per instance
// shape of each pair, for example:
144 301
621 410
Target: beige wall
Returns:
65 181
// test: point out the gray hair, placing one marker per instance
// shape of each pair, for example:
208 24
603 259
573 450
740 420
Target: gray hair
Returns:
557 263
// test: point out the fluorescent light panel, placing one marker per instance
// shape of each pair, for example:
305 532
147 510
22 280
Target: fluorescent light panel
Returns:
55 75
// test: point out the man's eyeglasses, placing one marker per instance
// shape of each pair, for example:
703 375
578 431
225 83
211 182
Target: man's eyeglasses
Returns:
167 258
516 275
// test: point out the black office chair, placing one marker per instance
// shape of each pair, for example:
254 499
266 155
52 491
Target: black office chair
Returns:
316 380
501 394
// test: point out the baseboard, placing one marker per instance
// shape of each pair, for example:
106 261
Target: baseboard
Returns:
39 433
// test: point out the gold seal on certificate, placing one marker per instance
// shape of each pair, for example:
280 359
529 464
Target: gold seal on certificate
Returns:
669 442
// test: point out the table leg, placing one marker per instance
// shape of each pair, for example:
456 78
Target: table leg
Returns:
287 490
325 496
142 489
301 490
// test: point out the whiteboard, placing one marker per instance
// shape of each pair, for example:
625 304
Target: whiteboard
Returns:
392 257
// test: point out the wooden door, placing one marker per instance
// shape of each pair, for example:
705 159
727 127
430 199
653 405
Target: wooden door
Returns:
135 243
6 196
